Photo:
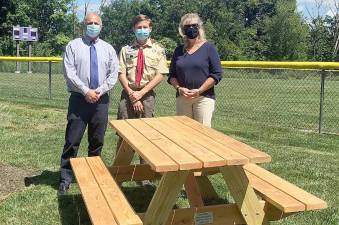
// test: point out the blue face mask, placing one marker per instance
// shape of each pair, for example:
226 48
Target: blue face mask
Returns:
93 30
142 34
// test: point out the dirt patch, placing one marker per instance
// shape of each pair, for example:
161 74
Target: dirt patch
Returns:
12 179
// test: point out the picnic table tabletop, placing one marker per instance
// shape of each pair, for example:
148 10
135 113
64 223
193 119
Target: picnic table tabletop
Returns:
180 143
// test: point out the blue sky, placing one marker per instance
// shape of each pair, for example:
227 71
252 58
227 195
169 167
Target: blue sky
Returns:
307 7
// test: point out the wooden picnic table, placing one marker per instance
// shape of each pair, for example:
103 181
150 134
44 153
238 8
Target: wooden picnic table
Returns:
182 152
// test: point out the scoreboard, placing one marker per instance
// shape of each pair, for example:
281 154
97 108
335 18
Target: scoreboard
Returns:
25 33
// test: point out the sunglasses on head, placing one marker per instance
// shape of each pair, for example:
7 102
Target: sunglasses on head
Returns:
194 25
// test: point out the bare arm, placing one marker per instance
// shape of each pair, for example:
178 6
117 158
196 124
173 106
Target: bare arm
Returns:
124 82
137 95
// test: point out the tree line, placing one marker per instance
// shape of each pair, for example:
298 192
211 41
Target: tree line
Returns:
241 30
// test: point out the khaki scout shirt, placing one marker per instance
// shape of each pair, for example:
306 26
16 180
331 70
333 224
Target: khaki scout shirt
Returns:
155 62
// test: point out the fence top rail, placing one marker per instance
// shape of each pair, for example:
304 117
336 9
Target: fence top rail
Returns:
31 59
224 64
281 65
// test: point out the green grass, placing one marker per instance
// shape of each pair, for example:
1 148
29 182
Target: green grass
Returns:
268 113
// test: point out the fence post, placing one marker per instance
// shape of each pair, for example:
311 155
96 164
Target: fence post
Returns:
17 64
50 79
29 55
322 93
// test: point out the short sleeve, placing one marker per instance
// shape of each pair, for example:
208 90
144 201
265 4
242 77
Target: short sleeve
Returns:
122 60
215 70
162 68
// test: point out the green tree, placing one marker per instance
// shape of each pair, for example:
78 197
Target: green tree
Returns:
321 39
286 34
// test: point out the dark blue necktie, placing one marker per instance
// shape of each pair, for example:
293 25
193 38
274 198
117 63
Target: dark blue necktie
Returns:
94 76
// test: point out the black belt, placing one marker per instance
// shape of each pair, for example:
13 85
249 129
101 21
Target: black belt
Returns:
77 94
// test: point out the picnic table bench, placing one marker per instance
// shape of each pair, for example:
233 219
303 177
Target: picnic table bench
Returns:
182 152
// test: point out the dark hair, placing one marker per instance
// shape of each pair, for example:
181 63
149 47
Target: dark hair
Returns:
140 18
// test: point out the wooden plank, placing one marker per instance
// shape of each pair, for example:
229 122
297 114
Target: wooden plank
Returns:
222 215
208 158
133 173
243 195
273 213
121 209
165 197
280 199
231 157
311 202
124 154
148 151
144 172
175 152
206 171
97 207
226 214
254 155
193 191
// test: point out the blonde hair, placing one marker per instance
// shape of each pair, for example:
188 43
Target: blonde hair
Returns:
191 16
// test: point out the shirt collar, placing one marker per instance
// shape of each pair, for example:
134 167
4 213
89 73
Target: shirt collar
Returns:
148 44
88 40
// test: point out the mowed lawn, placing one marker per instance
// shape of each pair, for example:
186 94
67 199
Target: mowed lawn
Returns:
277 116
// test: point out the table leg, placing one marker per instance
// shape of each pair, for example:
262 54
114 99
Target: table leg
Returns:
193 191
244 195
206 188
124 154
165 197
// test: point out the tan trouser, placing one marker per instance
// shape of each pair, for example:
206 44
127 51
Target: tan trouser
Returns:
201 109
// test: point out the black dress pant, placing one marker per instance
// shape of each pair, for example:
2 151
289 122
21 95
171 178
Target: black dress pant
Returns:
80 114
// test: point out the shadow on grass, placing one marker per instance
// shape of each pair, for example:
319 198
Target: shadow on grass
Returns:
47 177
72 210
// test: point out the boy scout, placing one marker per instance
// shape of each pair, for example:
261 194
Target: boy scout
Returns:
141 68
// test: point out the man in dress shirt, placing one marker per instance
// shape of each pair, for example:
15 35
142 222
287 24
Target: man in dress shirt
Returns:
90 71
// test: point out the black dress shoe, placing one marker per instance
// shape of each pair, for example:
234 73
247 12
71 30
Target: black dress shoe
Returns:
63 188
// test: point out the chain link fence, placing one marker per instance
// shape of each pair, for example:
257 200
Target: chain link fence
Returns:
258 98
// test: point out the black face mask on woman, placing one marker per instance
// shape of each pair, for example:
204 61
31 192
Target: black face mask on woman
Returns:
191 32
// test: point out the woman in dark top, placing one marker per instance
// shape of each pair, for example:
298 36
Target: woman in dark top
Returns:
195 69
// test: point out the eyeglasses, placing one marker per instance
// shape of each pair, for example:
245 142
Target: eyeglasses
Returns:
194 25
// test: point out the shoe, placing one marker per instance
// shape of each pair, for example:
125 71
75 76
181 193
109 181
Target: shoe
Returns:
147 184
63 189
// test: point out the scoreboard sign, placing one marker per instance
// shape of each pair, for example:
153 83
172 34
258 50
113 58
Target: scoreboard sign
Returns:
25 33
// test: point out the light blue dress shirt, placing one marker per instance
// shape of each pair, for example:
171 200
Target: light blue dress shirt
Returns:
77 65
